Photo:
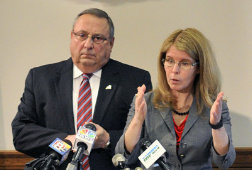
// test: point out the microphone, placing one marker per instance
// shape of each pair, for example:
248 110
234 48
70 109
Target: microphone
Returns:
86 134
58 153
138 168
83 144
60 149
119 161
152 154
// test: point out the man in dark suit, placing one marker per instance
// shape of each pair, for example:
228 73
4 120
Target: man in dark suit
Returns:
48 106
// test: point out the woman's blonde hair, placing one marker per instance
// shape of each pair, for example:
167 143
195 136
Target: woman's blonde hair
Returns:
207 83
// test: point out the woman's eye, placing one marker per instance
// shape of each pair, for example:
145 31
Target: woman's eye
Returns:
170 60
185 63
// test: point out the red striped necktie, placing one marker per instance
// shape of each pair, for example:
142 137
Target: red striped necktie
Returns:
84 113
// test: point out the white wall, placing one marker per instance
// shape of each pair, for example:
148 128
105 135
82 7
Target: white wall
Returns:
37 32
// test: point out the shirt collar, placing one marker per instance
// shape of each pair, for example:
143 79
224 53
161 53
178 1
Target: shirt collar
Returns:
77 72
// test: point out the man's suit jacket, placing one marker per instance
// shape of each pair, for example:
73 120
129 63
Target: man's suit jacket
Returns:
46 108
196 148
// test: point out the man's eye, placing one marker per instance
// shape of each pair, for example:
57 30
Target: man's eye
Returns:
83 35
98 37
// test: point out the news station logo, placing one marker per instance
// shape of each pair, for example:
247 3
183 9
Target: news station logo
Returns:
87 134
60 146
150 153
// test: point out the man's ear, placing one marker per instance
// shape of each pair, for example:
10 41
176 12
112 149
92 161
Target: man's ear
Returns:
71 34
111 42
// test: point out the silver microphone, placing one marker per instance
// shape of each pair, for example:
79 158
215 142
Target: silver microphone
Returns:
119 161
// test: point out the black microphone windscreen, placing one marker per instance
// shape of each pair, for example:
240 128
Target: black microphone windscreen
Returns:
90 126
145 143
82 144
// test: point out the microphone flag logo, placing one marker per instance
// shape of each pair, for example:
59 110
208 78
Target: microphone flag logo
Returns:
151 154
87 134
60 146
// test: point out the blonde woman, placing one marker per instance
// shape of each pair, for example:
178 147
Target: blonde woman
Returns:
186 112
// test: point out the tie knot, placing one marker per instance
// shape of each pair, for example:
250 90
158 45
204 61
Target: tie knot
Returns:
87 76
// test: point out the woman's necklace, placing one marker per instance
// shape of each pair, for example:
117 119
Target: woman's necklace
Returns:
179 113
187 104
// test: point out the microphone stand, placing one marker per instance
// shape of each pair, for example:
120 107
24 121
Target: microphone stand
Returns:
44 163
50 163
73 165
162 164
34 164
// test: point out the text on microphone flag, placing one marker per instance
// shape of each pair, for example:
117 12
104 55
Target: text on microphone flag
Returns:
151 154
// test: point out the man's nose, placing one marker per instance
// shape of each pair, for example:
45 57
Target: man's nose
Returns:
89 43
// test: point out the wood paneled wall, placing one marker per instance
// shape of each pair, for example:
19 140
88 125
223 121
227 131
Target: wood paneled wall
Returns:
16 160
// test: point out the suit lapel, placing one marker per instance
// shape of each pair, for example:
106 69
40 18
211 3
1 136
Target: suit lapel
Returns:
64 88
167 116
108 85
192 118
